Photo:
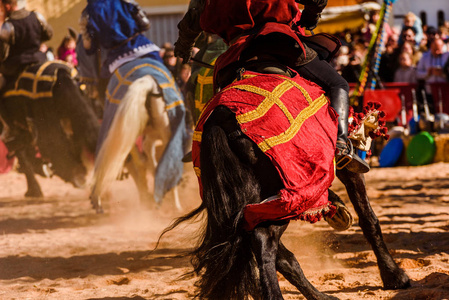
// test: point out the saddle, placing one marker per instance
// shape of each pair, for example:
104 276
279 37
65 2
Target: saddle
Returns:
37 80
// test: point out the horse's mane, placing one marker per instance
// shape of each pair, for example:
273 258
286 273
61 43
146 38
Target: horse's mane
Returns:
224 262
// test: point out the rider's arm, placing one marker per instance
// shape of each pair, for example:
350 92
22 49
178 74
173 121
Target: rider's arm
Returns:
88 36
47 30
139 15
189 29
311 13
6 39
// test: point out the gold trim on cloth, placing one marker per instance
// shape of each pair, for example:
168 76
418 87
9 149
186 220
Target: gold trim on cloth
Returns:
36 78
174 104
197 171
202 80
123 80
274 97
271 98
295 126
197 135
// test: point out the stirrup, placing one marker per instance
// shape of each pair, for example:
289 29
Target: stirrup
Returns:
187 158
345 156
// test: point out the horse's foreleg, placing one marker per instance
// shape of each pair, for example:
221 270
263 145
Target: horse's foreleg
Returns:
176 197
154 145
264 242
95 201
392 276
289 267
34 190
138 171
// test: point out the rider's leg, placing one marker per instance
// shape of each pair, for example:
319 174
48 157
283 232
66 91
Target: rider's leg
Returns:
336 87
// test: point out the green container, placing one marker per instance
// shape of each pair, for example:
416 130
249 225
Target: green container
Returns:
421 149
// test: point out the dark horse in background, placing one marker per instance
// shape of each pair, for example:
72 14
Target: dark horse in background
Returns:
231 260
53 125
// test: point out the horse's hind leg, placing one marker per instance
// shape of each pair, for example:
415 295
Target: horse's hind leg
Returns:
264 243
392 276
289 267
34 190
137 169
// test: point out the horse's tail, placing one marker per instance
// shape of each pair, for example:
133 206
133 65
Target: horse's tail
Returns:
224 259
72 104
129 121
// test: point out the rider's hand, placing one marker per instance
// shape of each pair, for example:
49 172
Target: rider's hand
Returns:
309 20
183 50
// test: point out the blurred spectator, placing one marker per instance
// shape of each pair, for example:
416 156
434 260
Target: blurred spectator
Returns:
341 59
165 46
388 60
433 34
411 20
66 51
408 34
391 44
170 61
48 51
430 67
413 51
370 27
423 45
406 72
183 78
391 62
352 71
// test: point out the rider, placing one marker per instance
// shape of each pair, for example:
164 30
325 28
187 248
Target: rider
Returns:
21 36
116 26
263 37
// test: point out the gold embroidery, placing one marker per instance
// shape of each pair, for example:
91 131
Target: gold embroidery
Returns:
39 74
30 95
197 171
197 135
124 81
271 98
294 128
174 104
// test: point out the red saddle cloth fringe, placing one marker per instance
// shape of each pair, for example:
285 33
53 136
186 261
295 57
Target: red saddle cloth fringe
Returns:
292 122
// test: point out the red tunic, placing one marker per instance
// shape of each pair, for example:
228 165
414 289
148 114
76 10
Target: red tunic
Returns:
240 21
232 18
292 123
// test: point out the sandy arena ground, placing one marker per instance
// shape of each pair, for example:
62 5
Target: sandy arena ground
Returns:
59 248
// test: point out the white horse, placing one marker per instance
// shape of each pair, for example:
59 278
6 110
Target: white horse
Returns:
142 99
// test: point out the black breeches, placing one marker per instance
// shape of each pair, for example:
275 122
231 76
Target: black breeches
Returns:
323 74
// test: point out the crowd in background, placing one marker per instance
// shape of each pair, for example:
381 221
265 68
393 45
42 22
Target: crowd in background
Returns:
411 53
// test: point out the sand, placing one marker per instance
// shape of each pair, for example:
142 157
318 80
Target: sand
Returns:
57 247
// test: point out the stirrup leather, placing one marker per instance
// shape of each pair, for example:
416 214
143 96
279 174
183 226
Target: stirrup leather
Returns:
344 156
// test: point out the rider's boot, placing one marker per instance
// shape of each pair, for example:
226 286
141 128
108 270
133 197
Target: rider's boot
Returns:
345 156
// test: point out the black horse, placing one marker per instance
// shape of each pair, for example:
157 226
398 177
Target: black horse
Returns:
232 262
51 125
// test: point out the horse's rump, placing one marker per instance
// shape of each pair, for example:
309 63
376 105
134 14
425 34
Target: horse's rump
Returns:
169 170
37 81
292 123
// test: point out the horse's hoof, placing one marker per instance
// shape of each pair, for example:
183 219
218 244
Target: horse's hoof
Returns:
342 220
78 181
403 282
99 210
34 194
